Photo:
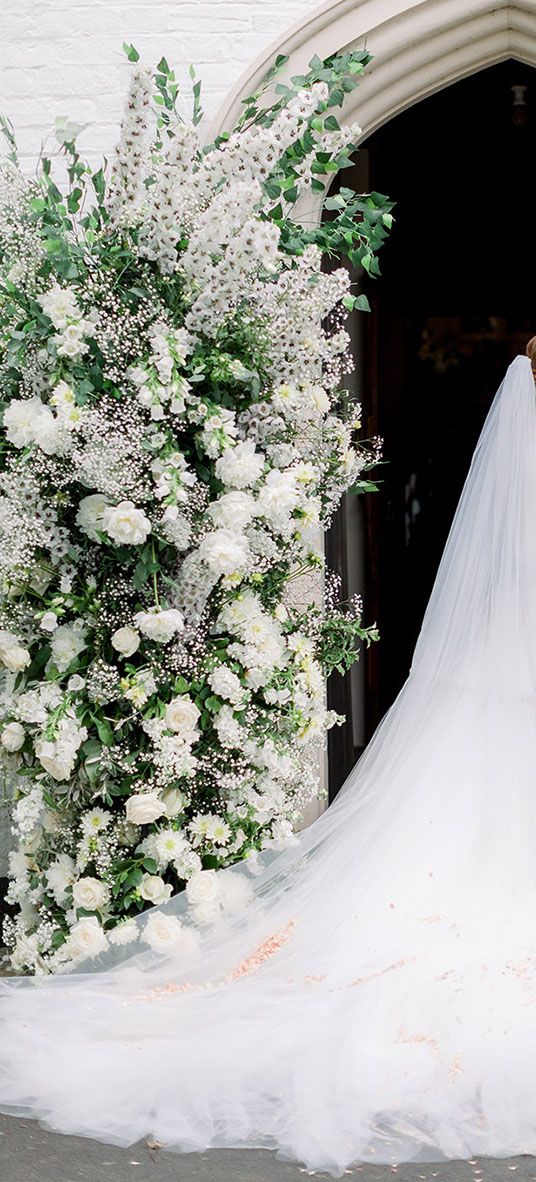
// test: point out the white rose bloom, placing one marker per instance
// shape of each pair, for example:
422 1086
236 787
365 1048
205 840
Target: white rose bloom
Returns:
225 552
234 510
25 953
125 933
12 654
90 514
49 622
125 524
26 419
181 716
12 736
174 802
204 896
166 933
91 894
60 876
86 939
143 808
160 625
240 466
153 888
66 644
125 641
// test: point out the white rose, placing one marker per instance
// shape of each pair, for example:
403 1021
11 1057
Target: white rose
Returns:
66 644
125 524
144 808
26 419
90 513
174 802
86 938
225 552
12 736
125 933
12 653
160 625
166 933
126 641
153 888
181 716
240 466
204 896
49 622
91 894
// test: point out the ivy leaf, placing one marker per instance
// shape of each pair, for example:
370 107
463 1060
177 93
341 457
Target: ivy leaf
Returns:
131 53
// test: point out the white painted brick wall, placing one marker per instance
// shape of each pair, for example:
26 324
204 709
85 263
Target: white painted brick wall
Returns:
64 57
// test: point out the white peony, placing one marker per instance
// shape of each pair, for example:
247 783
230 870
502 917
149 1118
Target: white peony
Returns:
125 640
66 644
91 894
12 653
166 933
90 514
125 524
225 552
154 890
279 495
160 625
26 420
12 736
234 510
60 876
181 716
143 808
86 939
240 466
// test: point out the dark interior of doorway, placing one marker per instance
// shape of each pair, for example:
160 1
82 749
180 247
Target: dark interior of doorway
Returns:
454 305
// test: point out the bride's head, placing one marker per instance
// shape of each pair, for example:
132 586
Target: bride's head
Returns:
531 354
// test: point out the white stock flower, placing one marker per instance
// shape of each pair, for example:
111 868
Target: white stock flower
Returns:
12 736
181 716
12 653
86 939
91 894
126 524
125 640
160 625
154 890
165 933
143 808
240 466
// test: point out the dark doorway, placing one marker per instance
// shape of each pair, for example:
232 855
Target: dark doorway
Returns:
453 307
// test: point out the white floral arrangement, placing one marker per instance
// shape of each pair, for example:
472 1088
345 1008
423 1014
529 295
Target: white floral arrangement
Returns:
176 437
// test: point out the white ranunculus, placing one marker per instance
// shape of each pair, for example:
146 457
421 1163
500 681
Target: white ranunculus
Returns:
225 552
12 736
160 625
240 466
12 653
90 513
143 808
66 644
91 894
125 933
166 933
60 876
154 890
234 510
126 640
126 524
86 938
181 716
26 419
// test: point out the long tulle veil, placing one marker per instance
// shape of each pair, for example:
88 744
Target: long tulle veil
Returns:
477 647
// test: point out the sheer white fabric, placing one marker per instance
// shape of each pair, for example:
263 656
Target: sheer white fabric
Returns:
376 1000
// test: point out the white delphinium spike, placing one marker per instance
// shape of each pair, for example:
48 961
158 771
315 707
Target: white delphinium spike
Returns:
170 199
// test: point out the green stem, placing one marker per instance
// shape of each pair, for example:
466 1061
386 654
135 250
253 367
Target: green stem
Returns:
155 581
